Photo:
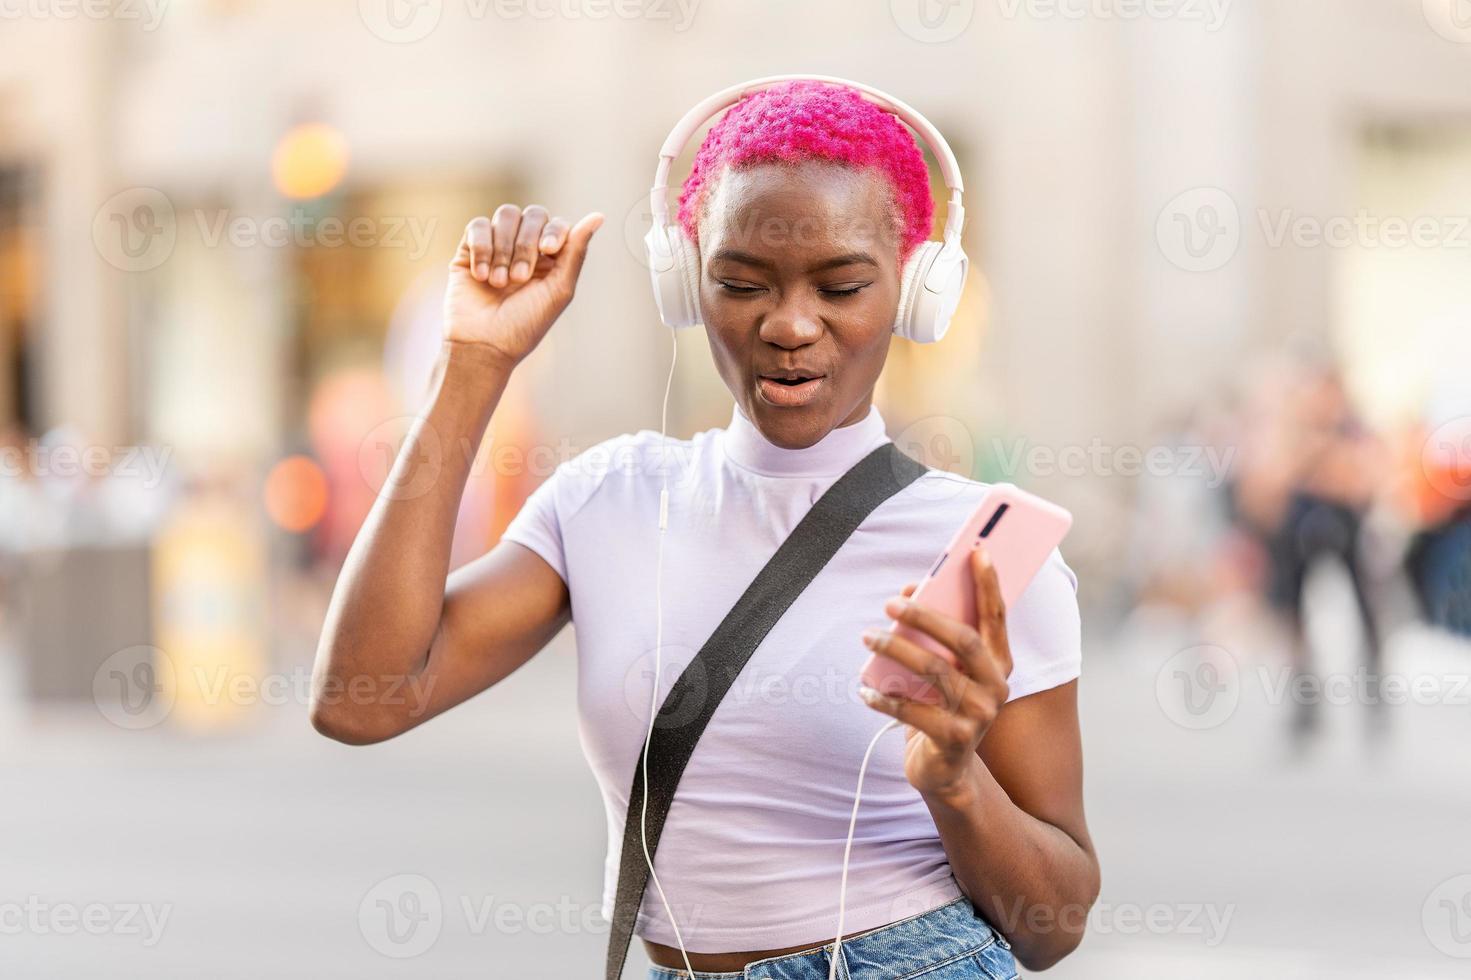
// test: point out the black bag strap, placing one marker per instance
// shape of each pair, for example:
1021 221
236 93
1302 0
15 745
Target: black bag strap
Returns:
698 691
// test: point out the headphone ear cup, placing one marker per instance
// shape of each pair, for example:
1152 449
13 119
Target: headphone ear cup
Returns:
674 275
687 265
911 288
929 292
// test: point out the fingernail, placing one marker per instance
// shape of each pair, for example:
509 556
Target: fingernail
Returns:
896 605
870 637
482 270
983 556
498 276
548 241
520 270
869 695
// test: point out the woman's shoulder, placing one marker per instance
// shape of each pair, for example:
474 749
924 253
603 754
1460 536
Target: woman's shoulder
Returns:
625 466
642 452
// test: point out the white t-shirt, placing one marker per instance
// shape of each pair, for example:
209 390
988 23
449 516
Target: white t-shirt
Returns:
751 851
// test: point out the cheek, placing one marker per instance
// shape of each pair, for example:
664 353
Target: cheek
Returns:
727 347
874 317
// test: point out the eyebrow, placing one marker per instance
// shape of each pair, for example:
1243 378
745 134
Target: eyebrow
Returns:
746 258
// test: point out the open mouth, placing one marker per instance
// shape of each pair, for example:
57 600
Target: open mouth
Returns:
790 389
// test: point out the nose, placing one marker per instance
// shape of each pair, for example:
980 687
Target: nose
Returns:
792 323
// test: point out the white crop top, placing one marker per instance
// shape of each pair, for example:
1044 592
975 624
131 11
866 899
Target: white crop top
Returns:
751 850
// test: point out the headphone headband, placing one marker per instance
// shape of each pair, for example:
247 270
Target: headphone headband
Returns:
678 137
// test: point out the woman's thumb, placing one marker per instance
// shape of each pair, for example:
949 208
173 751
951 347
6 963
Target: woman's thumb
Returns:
575 250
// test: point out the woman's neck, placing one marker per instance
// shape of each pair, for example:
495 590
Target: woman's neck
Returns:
832 455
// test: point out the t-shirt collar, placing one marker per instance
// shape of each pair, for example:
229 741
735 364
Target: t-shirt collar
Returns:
832 455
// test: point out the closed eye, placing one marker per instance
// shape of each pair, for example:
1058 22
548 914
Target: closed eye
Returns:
739 290
845 291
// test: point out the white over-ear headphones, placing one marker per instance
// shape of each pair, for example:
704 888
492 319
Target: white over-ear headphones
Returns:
933 275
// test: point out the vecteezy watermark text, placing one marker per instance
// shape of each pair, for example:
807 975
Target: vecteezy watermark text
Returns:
146 463
1098 458
403 915
37 917
408 21
149 12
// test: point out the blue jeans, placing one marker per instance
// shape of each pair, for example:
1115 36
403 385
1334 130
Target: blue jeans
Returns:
948 943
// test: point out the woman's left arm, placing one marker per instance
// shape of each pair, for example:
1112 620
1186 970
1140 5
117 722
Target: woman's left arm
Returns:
1004 781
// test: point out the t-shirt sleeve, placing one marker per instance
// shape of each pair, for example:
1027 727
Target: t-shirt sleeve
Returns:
543 521
1044 631
537 525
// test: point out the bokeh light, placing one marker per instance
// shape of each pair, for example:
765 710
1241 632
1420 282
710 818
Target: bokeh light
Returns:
296 493
309 161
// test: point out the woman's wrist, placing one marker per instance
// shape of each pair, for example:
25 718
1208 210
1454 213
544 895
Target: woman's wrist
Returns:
468 381
472 360
962 794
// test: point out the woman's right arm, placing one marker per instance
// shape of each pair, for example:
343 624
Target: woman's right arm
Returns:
403 639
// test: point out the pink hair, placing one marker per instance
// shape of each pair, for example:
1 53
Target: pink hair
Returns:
809 120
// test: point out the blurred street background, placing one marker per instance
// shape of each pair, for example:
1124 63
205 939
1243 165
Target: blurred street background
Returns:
1220 308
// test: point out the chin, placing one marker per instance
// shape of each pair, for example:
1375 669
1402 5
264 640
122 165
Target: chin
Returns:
791 427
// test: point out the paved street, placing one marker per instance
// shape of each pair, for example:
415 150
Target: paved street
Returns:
274 853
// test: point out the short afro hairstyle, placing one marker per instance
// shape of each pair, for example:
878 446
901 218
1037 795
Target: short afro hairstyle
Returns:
801 120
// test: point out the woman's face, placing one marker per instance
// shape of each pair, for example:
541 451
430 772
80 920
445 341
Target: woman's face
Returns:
799 286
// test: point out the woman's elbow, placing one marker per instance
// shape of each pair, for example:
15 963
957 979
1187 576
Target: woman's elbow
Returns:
350 727
1048 951
350 720
1057 935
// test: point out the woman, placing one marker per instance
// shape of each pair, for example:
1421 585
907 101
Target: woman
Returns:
971 848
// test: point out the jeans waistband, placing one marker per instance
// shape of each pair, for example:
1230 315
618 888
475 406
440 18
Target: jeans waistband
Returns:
897 949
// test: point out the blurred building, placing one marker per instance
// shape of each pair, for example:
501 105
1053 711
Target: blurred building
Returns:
169 274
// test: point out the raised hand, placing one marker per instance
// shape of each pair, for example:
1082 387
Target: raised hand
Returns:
512 276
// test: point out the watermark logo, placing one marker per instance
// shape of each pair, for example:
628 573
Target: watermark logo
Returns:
760 232
1446 917
301 229
1199 687
400 21
637 220
638 686
134 688
139 687
401 479
134 230
753 684
932 21
1199 230
1451 19
944 443
1446 459
401 917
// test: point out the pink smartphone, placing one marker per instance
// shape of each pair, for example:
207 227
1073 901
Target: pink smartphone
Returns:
1018 530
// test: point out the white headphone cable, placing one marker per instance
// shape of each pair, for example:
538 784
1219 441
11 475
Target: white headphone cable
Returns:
654 704
659 649
832 971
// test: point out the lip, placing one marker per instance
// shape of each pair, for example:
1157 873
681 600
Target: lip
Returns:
790 396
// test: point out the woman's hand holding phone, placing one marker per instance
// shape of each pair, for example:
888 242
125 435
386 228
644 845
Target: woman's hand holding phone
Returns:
944 665
942 738
512 276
